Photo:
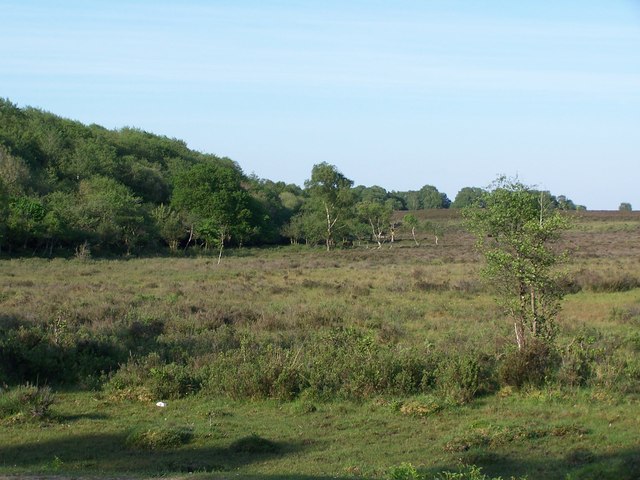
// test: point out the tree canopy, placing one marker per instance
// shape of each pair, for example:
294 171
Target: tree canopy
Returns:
65 184
516 227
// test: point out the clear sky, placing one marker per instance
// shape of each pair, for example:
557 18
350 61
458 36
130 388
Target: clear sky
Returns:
397 93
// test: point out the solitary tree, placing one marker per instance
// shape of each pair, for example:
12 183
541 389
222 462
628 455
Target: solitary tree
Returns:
515 231
625 207
330 197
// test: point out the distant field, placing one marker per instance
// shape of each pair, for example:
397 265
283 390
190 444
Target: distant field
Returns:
293 362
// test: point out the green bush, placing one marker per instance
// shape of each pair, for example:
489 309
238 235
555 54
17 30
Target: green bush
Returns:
158 438
173 381
577 361
530 366
459 379
39 352
149 378
406 471
26 402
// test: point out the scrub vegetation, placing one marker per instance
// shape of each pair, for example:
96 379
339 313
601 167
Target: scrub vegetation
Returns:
291 362
163 314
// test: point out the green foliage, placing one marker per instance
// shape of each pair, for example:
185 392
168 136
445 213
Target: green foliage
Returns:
170 225
4 212
111 212
330 202
378 217
211 194
99 186
459 379
150 378
468 197
427 197
515 227
407 471
531 365
404 471
25 219
625 207
158 438
26 402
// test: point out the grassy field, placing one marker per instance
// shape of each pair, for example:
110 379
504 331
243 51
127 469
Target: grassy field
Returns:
298 363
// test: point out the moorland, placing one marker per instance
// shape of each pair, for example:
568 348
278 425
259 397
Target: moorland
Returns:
294 362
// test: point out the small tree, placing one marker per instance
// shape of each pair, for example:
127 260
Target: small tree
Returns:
411 221
625 207
377 216
170 225
211 194
515 231
434 229
330 198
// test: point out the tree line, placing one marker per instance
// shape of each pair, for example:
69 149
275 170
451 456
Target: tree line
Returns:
66 186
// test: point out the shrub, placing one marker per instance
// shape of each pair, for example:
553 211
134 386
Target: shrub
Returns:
255 371
173 381
158 438
148 378
529 366
404 471
26 402
577 361
459 379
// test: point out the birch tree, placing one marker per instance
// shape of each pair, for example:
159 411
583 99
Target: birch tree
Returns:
331 198
516 229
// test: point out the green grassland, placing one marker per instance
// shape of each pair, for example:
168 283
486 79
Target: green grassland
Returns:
293 362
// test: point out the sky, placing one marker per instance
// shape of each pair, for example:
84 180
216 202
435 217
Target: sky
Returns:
400 94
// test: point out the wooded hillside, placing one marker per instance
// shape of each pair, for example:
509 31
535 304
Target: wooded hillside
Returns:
67 187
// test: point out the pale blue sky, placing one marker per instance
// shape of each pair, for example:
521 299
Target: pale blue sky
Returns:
395 93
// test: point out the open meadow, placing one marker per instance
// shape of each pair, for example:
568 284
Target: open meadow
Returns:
294 362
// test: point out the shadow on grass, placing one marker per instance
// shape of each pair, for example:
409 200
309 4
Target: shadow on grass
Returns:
575 464
79 416
108 453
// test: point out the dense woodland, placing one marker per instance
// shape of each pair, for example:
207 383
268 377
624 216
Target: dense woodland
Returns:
66 187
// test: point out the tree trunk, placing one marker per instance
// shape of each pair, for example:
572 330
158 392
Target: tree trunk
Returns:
519 334
413 234
190 238
221 247
328 239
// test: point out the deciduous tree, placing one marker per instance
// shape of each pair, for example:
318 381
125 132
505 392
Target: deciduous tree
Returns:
378 216
516 230
212 194
330 198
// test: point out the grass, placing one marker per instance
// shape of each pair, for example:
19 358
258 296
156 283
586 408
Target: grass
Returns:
543 434
174 316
